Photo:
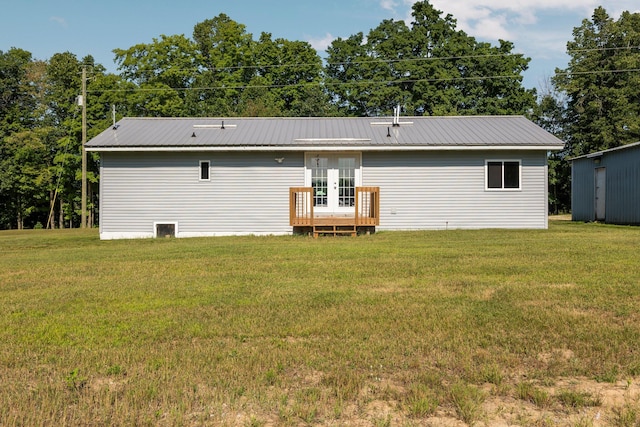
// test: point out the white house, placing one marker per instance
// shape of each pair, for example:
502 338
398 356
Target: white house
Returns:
213 176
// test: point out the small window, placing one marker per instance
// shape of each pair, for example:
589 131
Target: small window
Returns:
204 170
503 175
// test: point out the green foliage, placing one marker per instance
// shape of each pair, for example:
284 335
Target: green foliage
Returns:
171 60
430 68
593 104
25 173
602 83
17 100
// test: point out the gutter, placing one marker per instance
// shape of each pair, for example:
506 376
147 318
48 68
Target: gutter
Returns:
340 148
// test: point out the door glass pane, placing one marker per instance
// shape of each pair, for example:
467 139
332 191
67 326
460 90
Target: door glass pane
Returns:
319 167
346 182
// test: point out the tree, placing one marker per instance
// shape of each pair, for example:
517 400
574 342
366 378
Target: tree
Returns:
291 76
17 100
551 114
163 71
25 175
226 66
429 68
595 103
169 60
602 83
18 103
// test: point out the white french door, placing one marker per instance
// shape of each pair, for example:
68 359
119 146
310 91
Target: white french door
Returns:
334 178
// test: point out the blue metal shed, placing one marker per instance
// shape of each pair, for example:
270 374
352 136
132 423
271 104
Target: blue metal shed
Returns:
605 186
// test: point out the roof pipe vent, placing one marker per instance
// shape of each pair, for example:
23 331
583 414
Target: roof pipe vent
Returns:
388 132
396 116
193 135
222 127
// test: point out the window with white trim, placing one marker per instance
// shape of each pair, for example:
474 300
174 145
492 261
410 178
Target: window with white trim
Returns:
205 166
503 174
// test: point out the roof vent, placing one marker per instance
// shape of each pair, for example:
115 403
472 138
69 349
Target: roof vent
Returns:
396 116
221 126
193 135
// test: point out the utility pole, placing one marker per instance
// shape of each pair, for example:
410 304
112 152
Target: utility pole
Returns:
83 214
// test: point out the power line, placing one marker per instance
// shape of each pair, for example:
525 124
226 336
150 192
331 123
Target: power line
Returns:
594 49
368 60
350 83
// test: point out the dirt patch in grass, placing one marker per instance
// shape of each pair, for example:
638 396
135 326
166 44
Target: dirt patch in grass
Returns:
605 404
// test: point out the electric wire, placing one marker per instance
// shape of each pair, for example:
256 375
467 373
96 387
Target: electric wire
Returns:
362 62
330 84
368 60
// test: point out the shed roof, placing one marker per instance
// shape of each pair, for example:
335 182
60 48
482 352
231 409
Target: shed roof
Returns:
600 153
363 133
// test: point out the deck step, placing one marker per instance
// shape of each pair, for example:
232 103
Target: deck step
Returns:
334 230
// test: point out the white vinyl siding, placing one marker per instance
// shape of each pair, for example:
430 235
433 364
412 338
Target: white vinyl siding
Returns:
248 193
439 190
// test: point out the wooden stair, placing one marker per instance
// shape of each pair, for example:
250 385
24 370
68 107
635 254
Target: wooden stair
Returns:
334 226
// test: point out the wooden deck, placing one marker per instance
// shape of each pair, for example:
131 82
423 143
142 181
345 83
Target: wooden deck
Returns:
366 213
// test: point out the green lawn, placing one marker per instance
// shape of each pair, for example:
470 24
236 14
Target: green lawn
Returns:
291 330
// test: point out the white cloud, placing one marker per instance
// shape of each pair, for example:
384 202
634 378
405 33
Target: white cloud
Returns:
540 29
61 21
321 44
492 27
473 15
388 4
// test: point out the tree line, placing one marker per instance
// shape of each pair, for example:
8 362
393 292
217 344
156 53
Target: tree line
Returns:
429 67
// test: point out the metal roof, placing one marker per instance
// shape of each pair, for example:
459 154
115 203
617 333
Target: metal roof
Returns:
600 153
363 133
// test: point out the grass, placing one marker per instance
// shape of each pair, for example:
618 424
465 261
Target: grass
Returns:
290 330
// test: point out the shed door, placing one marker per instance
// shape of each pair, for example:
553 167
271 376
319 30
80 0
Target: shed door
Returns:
601 185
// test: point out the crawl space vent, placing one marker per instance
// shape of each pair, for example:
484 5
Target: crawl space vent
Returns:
165 230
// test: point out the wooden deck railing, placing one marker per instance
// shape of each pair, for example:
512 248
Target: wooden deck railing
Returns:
366 210
367 206
301 206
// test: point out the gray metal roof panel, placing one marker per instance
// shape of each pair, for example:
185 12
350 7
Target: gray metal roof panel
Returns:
456 131
600 153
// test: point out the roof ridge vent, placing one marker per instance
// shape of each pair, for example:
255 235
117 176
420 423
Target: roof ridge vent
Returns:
221 126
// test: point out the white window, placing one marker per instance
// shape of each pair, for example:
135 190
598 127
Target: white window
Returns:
503 174
205 174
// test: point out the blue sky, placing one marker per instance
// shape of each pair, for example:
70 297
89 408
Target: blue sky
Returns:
540 29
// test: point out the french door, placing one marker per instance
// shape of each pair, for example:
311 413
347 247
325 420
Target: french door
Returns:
334 178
